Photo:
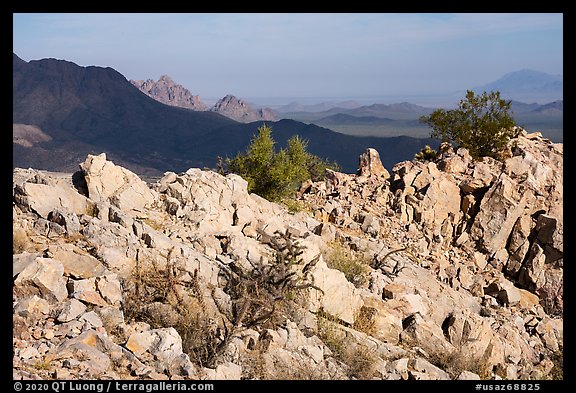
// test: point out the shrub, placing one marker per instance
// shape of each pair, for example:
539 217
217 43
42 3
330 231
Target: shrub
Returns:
20 242
184 308
276 174
426 154
262 295
481 124
354 264
360 361
459 360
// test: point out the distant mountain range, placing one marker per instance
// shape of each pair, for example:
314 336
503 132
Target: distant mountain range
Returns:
166 91
403 119
62 111
527 86
320 107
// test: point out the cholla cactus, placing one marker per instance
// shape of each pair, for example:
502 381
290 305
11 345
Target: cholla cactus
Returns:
426 154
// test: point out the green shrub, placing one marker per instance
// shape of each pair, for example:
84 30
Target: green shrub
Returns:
426 154
481 124
275 175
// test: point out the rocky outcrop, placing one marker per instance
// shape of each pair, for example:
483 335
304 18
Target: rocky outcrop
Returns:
168 92
192 277
239 110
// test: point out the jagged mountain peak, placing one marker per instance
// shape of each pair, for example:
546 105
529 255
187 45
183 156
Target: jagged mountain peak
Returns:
239 110
168 92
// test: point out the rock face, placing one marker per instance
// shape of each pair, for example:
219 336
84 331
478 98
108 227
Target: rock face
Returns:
451 269
168 92
237 109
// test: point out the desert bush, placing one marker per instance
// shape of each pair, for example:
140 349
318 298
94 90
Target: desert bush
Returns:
481 124
185 310
20 241
354 264
272 174
261 296
360 361
457 361
557 372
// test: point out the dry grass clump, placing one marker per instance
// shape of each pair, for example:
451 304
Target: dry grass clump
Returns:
20 240
457 361
162 298
354 264
360 361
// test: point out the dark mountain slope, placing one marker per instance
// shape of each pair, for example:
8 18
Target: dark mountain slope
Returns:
100 107
81 110
322 142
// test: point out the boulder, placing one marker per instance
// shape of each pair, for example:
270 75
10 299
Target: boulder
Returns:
45 277
77 263
338 297
370 164
121 187
42 199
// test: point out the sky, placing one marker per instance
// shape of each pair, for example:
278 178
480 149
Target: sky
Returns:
329 55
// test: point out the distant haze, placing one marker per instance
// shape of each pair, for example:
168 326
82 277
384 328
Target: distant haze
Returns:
266 57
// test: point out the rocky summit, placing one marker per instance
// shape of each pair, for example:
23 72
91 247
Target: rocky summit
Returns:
433 270
239 110
168 92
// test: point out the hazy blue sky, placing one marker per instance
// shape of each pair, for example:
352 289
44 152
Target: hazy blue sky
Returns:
301 55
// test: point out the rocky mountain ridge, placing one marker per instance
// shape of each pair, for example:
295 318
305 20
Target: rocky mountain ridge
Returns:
166 91
444 269
62 112
170 93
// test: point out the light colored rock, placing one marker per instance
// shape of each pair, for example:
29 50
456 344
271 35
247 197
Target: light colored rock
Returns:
479 260
468 376
109 288
338 297
20 261
225 371
77 264
370 164
528 300
431 371
139 342
44 198
83 348
453 164
441 201
66 219
504 291
370 225
500 208
121 187
44 276
426 335
393 291
552 333
163 344
400 367
426 176
384 320
71 310
85 290
32 305
92 318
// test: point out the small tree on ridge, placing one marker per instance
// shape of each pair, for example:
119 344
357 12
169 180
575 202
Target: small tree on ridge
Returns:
481 124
